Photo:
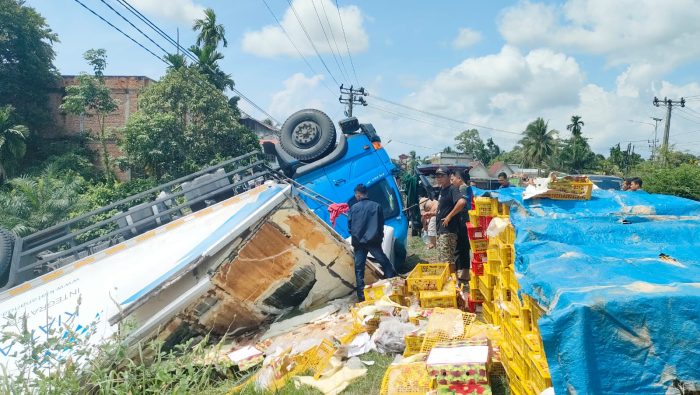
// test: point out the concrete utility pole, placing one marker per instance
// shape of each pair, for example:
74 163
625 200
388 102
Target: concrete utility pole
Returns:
669 105
656 126
351 96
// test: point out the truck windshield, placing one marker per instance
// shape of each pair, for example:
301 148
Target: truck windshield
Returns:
382 193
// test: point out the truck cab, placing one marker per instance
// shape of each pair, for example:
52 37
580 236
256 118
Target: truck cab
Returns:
329 174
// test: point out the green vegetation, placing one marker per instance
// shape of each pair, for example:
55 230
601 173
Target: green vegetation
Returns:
183 123
91 98
13 143
27 73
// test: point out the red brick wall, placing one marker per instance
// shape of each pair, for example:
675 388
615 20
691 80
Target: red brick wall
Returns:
124 89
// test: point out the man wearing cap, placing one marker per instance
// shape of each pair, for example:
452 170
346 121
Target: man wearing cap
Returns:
366 226
450 204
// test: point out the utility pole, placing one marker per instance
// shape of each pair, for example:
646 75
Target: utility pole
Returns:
656 126
351 96
669 105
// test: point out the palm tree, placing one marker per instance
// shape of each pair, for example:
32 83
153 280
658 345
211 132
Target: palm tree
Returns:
36 203
209 32
539 143
13 142
176 61
575 125
208 63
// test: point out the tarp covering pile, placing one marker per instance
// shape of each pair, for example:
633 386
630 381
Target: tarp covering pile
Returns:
619 279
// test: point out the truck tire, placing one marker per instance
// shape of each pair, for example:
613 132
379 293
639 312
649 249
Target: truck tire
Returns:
308 135
7 242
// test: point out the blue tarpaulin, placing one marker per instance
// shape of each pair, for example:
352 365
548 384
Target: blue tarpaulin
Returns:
619 279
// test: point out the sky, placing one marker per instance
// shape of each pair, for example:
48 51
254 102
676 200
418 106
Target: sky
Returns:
490 65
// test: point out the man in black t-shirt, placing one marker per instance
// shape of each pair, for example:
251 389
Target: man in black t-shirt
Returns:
450 204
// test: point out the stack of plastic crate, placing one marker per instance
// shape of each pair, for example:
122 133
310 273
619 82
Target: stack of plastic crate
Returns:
522 352
484 210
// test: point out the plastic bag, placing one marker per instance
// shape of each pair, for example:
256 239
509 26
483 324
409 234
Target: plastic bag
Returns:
424 237
389 336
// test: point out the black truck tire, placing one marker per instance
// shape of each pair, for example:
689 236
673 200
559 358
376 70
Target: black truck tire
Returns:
308 135
7 243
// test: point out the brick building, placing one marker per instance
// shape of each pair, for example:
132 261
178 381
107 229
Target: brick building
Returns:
124 89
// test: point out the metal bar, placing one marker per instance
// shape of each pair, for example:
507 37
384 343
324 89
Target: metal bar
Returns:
140 195
135 224
125 213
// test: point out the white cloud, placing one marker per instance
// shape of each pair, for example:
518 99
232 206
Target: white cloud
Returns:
509 89
299 92
179 11
466 38
658 35
270 41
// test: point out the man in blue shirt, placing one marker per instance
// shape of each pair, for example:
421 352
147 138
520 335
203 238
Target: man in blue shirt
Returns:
366 225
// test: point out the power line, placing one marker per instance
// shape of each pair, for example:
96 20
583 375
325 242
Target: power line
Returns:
313 71
342 26
446 118
311 41
134 26
337 48
120 31
148 22
330 46
186 52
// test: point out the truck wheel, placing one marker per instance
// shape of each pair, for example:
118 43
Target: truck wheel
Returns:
308 135
7 242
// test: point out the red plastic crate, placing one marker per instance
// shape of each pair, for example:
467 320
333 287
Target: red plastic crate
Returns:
475 232
479 256
471 304
484 222
477 268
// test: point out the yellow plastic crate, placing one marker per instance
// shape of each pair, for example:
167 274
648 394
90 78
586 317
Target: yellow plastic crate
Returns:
428 277
406 379
413 341
447 297
485 290
539 372
484 207
507 236
507 253
447 325
396 287
504 209
473 218
493 267
479 245
493 253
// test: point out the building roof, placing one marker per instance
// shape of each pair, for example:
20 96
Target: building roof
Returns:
498 167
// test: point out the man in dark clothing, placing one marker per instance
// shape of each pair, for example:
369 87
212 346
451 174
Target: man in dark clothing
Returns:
366 225
503 180
450 205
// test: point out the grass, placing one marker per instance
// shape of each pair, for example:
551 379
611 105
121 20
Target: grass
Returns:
419 253
367 385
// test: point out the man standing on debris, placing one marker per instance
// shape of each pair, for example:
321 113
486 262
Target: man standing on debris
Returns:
450 205
461 179
366 226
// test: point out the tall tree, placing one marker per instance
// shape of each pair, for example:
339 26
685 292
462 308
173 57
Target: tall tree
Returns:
575 126
210 33
469 142
448 150
183 123
208 64
90 97
539 143
13 142
175 61
27 73
493 149
576 154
